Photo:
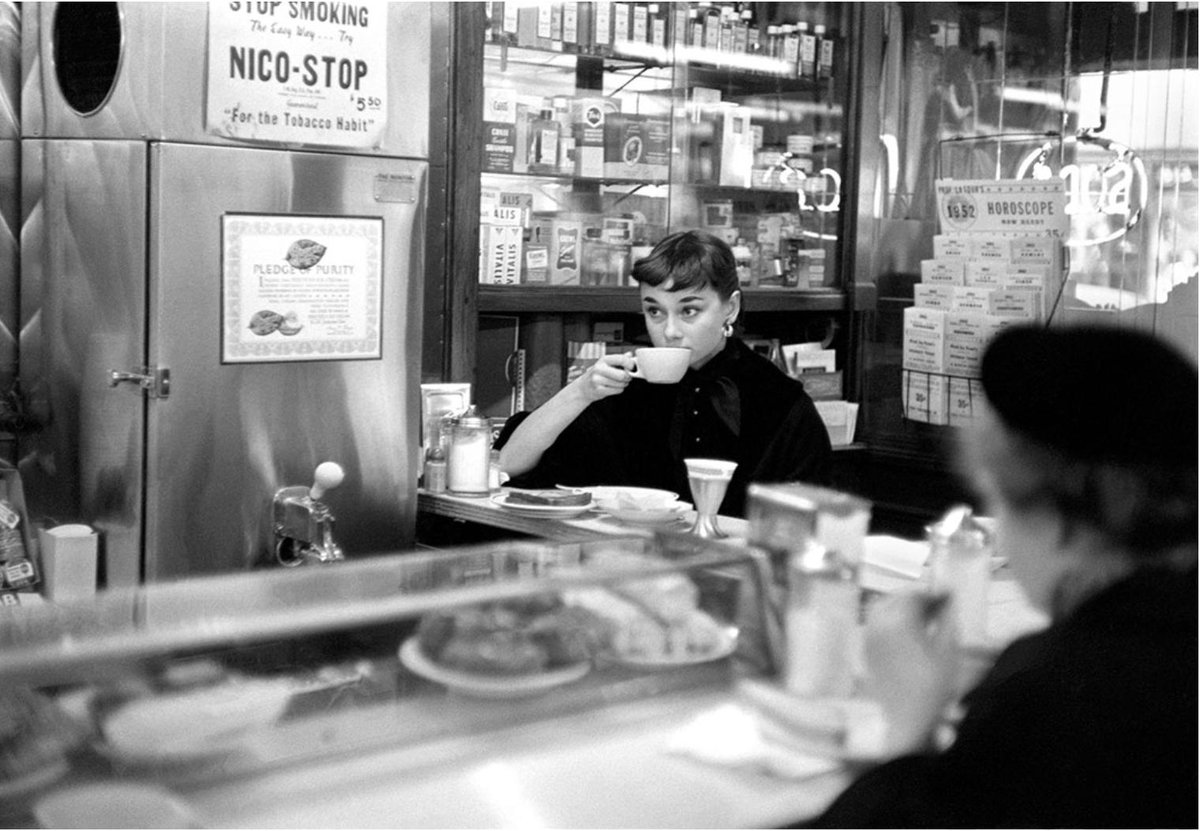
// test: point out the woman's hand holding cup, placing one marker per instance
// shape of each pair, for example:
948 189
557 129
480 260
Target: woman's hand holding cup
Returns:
608 376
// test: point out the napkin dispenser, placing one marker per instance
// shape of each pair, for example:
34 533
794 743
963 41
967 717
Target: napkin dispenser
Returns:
783 518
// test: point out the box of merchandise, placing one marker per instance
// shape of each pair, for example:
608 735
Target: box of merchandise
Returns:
717 213
948 272
563 236
926 397
951 247
988 273
970 298
588 117
821 386
965 400
1019 303
995 247
735 157
806 266
1035 248
499 129
967 334
500 247
636 147
924 340
536 267
933 296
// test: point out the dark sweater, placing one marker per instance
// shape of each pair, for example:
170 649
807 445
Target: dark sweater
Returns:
739 407
1091 723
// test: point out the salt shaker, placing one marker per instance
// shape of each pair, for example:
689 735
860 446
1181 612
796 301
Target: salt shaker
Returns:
468 459
960 549
821 623
435 470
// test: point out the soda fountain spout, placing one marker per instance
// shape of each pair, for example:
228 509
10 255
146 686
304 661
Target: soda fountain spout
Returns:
303 523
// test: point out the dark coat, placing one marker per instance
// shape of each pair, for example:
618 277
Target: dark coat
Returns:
1091 723
739 407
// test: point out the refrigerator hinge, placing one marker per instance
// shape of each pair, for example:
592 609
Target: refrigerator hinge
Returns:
154 381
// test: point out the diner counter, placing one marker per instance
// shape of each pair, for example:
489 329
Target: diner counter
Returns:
594 524
386 742
607 768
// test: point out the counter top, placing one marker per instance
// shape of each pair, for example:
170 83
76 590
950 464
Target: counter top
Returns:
594 524
608 768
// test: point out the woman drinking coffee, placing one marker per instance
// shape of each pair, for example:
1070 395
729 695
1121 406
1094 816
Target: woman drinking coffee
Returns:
614 425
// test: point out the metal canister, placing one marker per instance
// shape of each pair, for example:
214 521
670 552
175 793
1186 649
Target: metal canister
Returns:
468 457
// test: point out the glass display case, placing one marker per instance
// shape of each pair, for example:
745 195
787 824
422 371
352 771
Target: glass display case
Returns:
305 696
609 125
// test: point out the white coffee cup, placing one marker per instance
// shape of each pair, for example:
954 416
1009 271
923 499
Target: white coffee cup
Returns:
661 364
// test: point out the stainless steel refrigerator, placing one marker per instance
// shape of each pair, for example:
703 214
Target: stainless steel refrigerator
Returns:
128 206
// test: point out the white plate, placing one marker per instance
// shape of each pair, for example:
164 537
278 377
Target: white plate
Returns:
727 643
488 686
674 513
609 493
114 805
541 511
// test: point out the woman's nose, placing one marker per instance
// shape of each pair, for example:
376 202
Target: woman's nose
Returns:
671 329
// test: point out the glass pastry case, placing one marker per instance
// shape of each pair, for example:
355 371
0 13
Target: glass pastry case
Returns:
321 695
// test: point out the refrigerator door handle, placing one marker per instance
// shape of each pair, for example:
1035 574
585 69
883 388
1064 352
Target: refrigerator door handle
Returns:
155 381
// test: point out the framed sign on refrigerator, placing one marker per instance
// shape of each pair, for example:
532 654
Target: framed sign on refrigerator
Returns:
301 288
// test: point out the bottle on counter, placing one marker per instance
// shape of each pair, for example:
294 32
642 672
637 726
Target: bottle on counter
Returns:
434 478
468 459
960 565
543 142
821 628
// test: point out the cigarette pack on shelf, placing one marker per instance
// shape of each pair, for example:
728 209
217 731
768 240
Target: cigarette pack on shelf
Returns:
19 567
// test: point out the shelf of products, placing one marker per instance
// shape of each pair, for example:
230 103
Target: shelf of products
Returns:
609 125
624 299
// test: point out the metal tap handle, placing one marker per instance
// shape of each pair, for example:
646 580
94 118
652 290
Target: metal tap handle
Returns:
328 475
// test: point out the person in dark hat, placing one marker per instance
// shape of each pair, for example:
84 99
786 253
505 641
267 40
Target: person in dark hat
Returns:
1086 456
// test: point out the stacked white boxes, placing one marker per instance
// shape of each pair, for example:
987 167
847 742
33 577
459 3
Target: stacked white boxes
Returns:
999 258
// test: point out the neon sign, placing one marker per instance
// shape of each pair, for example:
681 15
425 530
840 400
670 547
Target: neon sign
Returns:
1105 195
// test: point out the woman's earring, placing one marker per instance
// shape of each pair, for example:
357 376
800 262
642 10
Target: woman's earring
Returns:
727 330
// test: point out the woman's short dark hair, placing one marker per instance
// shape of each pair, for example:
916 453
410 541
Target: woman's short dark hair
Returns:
692 259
